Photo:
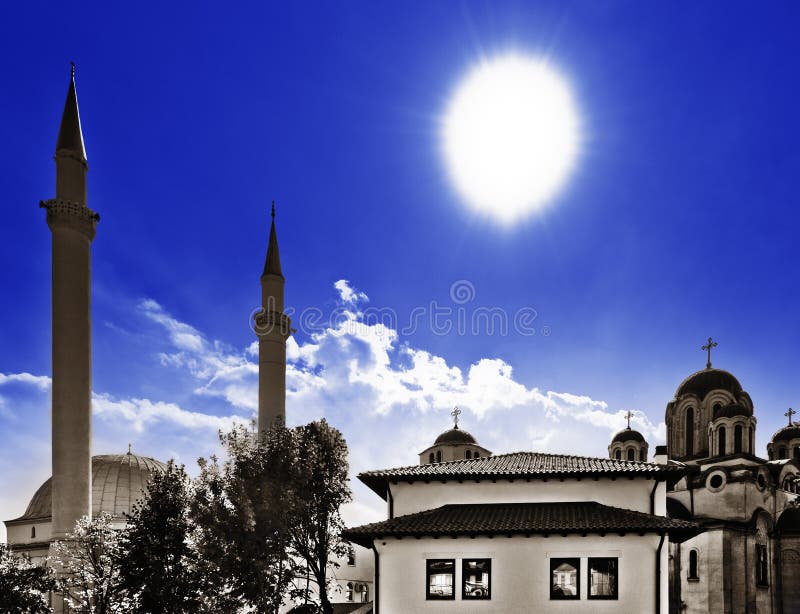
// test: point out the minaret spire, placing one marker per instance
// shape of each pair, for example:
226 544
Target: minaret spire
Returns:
273 328
72 225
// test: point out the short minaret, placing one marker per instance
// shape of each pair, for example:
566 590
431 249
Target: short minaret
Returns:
273 328
72 225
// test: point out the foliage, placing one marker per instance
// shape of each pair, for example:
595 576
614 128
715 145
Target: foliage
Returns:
320 489
88 564
242 509
159 566
24 585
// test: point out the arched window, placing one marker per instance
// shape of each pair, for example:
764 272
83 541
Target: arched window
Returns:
782 453
797 451
469 454
750 434
737 438
693 565
642 456
349 594
476 454
365 594
717 408
631 454
618 454
33 532
721 441
431 457
689 431
438 456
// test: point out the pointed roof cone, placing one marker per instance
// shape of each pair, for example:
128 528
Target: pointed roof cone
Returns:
70 136
272 266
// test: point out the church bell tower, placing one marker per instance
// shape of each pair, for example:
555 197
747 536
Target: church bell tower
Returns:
273 328
72 225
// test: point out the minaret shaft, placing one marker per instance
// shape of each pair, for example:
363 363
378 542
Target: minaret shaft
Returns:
72 225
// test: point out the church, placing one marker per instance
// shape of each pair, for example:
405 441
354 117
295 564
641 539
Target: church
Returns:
704 525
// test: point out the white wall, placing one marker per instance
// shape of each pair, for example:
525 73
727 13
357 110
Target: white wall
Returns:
625 493
521 573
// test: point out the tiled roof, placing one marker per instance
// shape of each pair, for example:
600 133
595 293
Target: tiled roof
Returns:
515 466
521 519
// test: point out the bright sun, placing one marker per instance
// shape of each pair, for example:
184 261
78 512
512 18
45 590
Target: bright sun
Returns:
510 136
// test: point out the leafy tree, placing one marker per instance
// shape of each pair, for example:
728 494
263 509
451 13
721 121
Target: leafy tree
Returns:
159 566
242 509
88 564
24 585
320 488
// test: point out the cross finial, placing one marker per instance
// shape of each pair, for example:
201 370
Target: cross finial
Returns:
129 448
273 209
711 344
455 413
789 415
628 417
72 69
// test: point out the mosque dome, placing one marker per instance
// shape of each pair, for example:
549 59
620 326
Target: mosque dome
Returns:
732 410
703 382
455 435
628 434
118 481
787 433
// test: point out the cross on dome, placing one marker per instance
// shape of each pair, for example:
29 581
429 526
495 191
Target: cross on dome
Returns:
455 413
628 417
707 347
789 415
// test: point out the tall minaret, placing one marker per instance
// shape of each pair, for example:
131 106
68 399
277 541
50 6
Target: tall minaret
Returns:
273 328
73 226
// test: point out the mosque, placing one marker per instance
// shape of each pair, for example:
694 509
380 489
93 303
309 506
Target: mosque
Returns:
706 525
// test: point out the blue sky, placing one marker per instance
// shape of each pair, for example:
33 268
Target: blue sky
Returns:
677 223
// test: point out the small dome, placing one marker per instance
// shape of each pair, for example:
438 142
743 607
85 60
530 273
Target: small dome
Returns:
703 382
455 435
787 433
628 435
734 409
118 480
789 522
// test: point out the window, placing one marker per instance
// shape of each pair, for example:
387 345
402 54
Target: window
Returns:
797 451
349 593
565 579
476 454
365 593
762 579
737 438
642 456
441 576
438 456
721 441
33 532
431 458
603 578
782 453
689 431
476 576
631 454
618 454
693 565
469 454
351 556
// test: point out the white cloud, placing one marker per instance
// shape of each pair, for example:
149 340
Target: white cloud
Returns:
349 295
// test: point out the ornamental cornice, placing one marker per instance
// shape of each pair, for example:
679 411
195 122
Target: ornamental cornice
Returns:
70 215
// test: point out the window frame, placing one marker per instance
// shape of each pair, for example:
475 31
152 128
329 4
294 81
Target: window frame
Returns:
615 595
696 575
428 574
464 571
557 562
762 566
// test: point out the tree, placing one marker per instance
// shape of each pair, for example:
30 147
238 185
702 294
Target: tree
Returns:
24 585
242 509
159 566
320 489
88 565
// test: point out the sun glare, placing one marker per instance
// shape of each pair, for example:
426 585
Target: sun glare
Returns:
510 136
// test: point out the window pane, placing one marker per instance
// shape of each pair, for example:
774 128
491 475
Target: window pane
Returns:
476 574
602 578
441 578
565 578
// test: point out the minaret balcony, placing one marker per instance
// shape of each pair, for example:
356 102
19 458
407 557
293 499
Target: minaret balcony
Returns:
75 216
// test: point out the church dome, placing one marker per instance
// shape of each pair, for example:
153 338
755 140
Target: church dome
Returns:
787 433
455 435
118 480
789 522
703 382
628 434
734 409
